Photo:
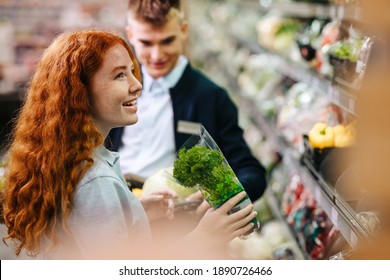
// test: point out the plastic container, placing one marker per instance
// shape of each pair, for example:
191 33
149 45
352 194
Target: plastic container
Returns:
206 168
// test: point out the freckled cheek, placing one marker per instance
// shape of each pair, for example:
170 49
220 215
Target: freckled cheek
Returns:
111 105
105 104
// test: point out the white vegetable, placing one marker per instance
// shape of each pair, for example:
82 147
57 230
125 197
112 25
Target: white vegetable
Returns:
160 180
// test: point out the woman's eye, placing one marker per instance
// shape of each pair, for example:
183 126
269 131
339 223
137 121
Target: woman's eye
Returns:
120 75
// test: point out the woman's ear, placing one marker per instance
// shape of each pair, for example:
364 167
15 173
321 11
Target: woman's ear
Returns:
184 28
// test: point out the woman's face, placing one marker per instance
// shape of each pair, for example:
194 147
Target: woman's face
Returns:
114 91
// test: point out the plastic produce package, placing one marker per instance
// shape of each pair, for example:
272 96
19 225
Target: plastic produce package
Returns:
201 164
159 180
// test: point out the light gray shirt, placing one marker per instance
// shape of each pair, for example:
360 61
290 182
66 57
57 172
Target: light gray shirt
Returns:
106 220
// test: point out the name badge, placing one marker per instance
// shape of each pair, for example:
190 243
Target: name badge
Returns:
188 127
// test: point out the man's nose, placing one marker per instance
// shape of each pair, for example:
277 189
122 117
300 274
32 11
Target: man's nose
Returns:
156 52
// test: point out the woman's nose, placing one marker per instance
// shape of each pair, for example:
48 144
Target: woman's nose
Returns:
135 87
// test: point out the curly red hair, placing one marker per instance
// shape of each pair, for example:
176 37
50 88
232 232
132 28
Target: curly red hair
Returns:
54 137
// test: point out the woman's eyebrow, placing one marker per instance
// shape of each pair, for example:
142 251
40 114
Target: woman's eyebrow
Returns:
122 67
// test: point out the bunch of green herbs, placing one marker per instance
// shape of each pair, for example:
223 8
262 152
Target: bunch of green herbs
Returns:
206 168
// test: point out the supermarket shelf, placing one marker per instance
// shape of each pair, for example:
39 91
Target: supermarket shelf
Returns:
263 125
261 122
307 10
300 72
275 208
340 214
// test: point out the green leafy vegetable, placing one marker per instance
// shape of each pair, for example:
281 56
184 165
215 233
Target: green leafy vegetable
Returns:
348 49
288 26
207 169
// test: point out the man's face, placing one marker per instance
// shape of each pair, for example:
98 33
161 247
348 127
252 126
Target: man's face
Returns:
158 47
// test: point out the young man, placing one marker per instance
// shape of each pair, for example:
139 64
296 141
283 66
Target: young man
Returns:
176 98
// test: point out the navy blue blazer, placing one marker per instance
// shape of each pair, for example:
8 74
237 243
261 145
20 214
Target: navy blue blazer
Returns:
197 99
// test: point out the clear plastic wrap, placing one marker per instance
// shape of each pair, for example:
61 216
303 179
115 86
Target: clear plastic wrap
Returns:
201 164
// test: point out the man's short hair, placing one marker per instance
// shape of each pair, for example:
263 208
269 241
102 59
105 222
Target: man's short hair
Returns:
155 12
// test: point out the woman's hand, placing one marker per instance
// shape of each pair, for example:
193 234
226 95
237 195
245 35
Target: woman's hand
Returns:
203 206
219 227
159 204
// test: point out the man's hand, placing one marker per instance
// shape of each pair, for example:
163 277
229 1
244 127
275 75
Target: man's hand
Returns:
159 204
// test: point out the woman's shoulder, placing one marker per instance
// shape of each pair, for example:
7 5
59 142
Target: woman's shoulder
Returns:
104 171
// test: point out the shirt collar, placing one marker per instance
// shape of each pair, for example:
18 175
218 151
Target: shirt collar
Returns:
110 157
167 81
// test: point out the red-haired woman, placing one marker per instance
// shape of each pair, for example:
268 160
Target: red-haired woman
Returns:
65 196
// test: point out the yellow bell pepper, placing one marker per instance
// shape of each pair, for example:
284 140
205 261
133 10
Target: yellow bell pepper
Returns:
321 136
351 128
137 192
342 136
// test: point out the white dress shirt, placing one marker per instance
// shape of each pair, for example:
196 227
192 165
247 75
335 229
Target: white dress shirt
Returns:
149 145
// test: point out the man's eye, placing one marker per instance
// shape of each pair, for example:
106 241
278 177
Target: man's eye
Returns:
168 41
146 44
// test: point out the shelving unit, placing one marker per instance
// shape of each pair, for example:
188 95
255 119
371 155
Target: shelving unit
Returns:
274 205
340 213
301 73
351 12
337 209
306 10
333 204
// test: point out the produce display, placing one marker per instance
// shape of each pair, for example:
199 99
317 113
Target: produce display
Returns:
266 244
277 33
343 56
302 105
300 109
370 221
315 232
308 40
326 145
321 136
324 136
347 49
